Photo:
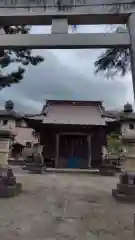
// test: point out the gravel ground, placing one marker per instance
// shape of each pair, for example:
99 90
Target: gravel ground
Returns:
65 206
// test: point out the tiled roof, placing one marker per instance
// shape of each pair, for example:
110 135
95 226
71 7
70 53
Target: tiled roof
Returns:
72 113
13 114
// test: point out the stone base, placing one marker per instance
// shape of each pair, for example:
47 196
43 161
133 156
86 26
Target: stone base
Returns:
127 189
10 191
34 169
122 197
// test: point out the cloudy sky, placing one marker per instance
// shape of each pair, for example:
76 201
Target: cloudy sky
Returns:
67 74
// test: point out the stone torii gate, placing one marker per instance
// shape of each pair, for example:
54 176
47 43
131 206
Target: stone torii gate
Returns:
44 12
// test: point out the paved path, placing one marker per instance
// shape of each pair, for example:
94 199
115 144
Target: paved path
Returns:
65 207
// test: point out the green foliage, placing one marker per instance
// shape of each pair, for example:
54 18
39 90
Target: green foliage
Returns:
114 143
21 56
114 61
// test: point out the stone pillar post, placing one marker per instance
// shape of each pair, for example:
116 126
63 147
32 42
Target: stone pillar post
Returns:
131 27
59 26
4 151
5 138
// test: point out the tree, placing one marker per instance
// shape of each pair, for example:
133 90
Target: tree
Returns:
114 143
113 61
22 56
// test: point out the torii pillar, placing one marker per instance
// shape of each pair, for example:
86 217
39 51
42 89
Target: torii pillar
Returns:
131 27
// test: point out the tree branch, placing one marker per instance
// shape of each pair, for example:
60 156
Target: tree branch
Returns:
113 61
12 78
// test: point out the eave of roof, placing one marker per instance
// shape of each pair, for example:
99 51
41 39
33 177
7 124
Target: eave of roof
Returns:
73 102
13 114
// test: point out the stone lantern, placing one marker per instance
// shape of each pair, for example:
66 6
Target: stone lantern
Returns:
125 190
127 119
8 185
